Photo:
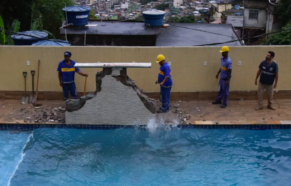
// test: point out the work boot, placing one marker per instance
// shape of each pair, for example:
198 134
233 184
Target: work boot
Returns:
259 108
161 111
270 107
216 102
223 106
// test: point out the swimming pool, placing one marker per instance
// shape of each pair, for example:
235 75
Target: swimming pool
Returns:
163 156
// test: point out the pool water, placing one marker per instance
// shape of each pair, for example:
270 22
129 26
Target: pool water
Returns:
122 157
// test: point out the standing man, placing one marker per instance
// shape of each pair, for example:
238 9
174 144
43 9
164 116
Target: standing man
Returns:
165 82
268 72
225 75
66 71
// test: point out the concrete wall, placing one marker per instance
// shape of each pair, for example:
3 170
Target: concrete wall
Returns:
187 63
257 23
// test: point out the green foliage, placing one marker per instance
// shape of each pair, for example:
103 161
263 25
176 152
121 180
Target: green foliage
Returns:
92 15
162 6
283 9
15 27
139 19
51 14
174 20
281 38
2 33
18 9
38 25
237 2
143 2
185 19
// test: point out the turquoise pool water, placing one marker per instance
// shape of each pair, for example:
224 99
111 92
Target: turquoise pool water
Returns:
122 157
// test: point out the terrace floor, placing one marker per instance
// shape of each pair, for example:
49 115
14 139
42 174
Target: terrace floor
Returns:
196 112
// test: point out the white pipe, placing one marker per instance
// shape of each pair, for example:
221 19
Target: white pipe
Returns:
113 64
85 38
66 35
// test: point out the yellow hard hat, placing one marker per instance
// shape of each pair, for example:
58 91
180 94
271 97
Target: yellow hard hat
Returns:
224 49
160 58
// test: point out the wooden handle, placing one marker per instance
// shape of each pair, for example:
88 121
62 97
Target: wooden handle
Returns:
85 86
37 81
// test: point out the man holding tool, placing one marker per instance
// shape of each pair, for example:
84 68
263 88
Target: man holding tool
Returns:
225 75
165 82
66 72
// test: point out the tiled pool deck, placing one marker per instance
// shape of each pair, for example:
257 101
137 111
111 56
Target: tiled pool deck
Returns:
239 114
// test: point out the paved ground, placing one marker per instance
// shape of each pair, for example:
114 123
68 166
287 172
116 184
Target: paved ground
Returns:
195 112
12 111
238 112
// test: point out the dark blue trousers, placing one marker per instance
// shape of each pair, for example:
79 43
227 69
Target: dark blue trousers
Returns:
165 93
70 87
223 91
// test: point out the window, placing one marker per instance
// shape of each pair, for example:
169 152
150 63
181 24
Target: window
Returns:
254 14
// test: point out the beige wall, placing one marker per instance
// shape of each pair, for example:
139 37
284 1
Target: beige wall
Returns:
188 71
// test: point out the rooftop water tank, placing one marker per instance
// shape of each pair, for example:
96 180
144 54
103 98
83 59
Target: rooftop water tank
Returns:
154 17
77 15
28 37
236 7
52 42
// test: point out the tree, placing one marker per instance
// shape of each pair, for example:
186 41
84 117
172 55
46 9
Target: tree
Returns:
16 9
162 6
283 9
139 19
143 2
174 20
281 38
185 19
51 14
2 33
237 2
15 27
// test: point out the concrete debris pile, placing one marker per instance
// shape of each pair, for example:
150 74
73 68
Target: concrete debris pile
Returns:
117 100
54 115
37 115
183 117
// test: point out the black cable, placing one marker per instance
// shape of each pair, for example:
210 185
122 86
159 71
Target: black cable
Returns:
201 30
258 36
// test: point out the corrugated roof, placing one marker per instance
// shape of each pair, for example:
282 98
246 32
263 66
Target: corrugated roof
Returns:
76 9
29 35
55 42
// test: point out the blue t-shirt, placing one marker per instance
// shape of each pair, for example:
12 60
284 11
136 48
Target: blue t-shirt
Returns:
226 65
268 72
165 71
68 71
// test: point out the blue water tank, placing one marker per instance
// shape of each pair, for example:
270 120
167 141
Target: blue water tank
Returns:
77 15
154 17
52 42
28 37
236 7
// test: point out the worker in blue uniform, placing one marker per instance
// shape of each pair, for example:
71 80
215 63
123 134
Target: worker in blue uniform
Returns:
225 75
165 82
66 72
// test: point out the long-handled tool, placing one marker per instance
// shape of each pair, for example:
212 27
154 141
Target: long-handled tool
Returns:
32 99
24 99
85 86
35 103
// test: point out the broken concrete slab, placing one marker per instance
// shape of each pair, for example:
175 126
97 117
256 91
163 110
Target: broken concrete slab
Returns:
117 101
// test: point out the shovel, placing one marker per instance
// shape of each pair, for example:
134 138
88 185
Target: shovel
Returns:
85 86
35 102
32 96
24 99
